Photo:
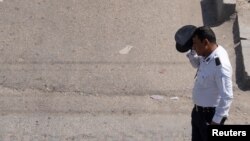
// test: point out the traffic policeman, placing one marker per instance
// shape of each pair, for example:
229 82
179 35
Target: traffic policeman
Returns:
212 92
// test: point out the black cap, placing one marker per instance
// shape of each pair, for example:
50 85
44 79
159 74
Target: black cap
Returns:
183 38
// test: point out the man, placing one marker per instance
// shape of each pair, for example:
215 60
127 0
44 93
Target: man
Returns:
212 92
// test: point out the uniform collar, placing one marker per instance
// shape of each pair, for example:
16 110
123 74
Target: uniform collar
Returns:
211 56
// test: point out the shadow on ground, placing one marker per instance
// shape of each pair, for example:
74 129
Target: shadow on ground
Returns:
215 13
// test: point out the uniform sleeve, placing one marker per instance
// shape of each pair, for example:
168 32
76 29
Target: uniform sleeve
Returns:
224 83
193 58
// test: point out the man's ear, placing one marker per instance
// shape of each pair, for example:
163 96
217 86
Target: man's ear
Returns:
206 42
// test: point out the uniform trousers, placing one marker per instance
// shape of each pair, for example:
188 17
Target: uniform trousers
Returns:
201 117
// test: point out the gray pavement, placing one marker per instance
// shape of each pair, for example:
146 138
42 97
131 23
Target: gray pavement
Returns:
74 45
66 75
85 70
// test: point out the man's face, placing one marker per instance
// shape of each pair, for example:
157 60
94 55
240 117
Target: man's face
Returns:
199 46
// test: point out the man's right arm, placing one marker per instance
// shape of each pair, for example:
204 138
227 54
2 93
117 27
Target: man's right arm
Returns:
193 58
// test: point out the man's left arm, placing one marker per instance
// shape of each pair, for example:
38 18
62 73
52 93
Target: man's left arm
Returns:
224 84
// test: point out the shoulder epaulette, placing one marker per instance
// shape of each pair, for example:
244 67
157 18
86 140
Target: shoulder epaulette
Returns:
217 61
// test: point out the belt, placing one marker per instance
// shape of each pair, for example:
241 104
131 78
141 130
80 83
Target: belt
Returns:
204 109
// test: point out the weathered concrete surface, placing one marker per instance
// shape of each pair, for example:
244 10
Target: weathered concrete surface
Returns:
243 10
36 116
74 45
63 79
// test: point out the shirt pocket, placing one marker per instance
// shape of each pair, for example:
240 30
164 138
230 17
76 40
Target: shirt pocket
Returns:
205 80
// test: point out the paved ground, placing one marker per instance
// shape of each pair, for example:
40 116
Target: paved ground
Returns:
243 8
32 115
85 70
